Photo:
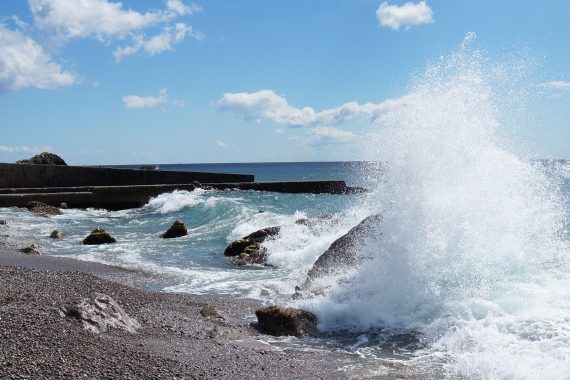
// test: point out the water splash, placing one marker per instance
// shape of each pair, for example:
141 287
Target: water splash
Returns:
471 255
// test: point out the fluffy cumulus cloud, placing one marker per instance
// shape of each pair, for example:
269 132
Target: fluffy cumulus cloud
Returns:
136 102
407 15
108 21
555 85
266 105
221 144
24 63
84 18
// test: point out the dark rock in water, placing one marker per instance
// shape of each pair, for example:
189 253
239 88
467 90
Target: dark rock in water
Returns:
342 252
177 229
32 249
56 234
101 312
278 321
99 236
3 223
44 158
42 208
248 250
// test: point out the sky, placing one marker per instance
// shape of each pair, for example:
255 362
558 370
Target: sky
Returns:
174 81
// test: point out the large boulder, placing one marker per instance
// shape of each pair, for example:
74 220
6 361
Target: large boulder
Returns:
342 253
44 158
248 250
177 229
101 312
99 236
42 208
279 320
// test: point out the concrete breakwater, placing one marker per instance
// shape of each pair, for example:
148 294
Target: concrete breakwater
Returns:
38 176
117 189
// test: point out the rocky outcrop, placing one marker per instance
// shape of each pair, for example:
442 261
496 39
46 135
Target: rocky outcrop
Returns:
56 234
178 229
44 158
32 249
248 250
99 236
342 253
279 320
42 208
101 312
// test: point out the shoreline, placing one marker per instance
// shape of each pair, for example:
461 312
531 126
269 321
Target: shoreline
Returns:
175 340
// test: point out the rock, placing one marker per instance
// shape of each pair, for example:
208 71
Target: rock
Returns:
42 208
101 312
278 321
55 234
177 229
32 249
248 250
3 223
63 205
209 311
44 158
99 236
342 253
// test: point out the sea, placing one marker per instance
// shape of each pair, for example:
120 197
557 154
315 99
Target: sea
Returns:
466 277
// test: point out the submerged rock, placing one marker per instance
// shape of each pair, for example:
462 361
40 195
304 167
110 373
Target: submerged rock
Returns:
99 236
101 312
177 229
342 253
279 320
42 208
32 249
56 234
248 250
44 158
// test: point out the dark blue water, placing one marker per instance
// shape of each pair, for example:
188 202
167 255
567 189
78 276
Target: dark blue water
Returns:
353 172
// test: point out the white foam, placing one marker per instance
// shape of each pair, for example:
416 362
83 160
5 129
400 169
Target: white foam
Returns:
471 254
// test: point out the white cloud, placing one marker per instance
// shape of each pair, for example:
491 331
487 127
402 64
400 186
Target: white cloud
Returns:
266 105
394 16
84 18
329 133
159 43
136 102
24 63
109 21
23 149
221 145
555 85
180 8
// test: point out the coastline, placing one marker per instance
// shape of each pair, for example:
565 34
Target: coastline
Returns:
175 340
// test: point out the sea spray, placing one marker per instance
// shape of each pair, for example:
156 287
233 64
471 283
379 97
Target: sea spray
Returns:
472 255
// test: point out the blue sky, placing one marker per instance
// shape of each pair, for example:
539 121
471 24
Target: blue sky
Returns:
102 82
